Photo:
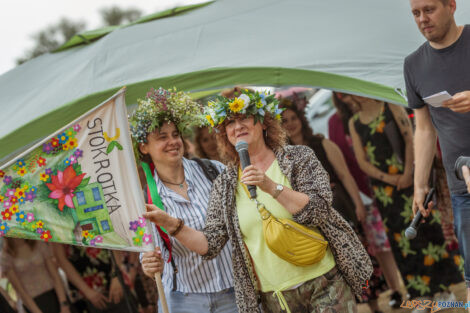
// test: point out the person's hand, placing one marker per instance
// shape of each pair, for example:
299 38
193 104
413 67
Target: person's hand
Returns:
152 262
361 213
418 200
254 176
98 300
391 179
115 291
466 176
158 217
459 103
404 181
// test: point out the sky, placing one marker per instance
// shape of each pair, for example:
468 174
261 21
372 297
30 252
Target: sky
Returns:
20 19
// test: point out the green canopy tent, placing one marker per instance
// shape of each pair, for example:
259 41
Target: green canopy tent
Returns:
354 46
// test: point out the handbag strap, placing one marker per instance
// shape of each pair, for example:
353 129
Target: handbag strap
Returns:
265 214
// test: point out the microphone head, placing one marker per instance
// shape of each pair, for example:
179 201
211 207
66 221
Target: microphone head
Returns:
241 145
461 161
410 233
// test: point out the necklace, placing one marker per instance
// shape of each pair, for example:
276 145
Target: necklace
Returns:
181 185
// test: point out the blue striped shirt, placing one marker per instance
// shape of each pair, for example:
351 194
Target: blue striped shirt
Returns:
194 274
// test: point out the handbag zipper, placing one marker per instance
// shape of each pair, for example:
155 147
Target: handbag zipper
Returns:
287 224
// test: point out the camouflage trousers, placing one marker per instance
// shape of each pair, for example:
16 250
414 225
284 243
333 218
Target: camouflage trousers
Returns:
325 294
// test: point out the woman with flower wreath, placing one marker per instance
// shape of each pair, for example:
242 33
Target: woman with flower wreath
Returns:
29 267
293 185
191 284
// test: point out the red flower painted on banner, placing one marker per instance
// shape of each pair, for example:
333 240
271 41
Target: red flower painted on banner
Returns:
55 142
46 235
6 215
63 186
41 161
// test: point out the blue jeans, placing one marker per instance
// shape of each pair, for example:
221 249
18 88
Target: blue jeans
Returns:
461 208
216 302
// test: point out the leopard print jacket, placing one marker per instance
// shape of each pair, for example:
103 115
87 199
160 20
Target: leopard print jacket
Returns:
306 175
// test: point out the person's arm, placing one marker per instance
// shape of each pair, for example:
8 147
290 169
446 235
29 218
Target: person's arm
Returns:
58 285
213 238
406 130
189 237
96 298
364 163
7 297
27 299
425 150
336 158
116 290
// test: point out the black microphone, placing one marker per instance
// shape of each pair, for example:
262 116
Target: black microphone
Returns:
412 230
461 161
242 149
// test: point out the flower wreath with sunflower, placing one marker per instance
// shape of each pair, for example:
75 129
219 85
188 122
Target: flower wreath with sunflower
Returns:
245 102
162 106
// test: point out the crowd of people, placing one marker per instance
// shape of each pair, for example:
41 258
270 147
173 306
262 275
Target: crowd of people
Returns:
351 196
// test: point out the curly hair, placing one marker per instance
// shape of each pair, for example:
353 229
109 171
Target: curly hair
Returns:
275 138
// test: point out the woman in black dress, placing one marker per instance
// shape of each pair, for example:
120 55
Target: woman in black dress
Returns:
383 140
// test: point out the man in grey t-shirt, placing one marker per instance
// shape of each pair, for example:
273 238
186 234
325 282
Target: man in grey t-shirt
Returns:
441 64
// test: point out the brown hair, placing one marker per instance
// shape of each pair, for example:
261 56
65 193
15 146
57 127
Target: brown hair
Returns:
275 138
344 111
232 92
307 132
10 248
197 143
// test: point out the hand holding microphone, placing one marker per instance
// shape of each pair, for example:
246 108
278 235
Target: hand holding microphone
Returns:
412 230
242 149
253 176
461 168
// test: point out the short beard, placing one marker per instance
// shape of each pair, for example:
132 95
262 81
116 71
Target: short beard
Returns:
438 38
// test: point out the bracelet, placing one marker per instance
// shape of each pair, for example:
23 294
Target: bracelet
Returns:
178 228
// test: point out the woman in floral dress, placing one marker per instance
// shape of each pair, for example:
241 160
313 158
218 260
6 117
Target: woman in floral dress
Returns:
93 279
382 140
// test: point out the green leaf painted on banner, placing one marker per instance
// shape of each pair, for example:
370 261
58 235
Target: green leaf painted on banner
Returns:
111 147
84 183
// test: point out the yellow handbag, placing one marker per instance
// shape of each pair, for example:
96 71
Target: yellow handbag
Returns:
289 240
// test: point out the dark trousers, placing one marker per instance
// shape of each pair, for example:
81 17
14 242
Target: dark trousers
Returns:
47 302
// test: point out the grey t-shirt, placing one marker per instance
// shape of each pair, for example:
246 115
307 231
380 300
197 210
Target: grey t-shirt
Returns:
429 71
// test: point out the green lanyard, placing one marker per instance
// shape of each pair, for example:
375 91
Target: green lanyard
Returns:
153 188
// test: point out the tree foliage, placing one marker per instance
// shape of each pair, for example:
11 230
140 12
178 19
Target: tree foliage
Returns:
57 34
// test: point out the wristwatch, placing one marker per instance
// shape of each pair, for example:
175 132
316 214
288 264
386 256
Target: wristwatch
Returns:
278 190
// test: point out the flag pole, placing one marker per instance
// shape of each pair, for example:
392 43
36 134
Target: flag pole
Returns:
161 293
154 198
